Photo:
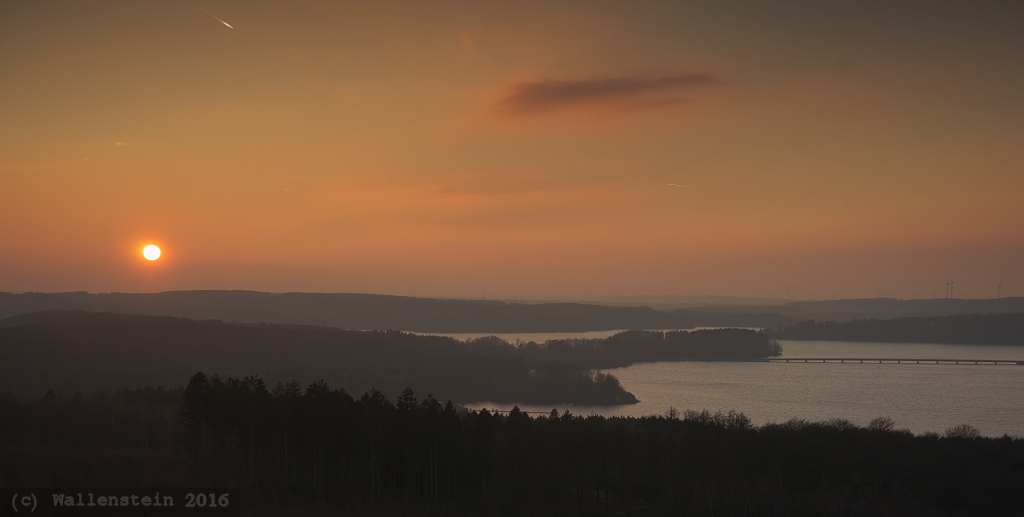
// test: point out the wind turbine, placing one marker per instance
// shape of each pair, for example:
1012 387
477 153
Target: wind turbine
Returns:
951 282
999 290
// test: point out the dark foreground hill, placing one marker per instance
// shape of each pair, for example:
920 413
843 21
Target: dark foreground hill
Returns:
69 351
962 329
381 312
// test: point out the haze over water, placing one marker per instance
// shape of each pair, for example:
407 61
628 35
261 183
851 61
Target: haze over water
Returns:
921 397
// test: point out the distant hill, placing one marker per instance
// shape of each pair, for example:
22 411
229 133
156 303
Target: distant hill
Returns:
868 308
661 302
885 308
383 312
965 329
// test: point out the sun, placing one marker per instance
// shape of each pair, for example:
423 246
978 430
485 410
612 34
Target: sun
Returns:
151 252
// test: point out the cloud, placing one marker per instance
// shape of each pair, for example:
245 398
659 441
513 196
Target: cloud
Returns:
465 206
528 98
121 144
687 186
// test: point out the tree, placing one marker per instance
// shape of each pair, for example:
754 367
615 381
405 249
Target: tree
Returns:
193 413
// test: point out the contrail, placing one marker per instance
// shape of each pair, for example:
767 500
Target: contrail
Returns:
226 24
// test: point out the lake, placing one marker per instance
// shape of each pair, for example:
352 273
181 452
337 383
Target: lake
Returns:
918 397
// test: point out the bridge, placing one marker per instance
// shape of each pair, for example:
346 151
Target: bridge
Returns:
890 360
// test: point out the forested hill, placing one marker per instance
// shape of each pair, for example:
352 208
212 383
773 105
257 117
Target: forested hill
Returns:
69 351
382 312
637 346
965 329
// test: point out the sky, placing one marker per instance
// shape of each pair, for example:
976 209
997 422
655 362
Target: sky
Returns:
513 149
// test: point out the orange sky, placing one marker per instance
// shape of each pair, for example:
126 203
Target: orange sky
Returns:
512 149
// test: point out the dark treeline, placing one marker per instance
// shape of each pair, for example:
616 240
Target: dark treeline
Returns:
635 346
319 449
138 419
963 329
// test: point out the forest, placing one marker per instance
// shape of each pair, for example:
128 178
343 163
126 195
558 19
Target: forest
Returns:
961 329
635 346
314 450
69 351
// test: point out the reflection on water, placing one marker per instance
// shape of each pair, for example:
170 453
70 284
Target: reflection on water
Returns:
918 397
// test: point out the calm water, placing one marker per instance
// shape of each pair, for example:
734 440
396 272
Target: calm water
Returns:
918 397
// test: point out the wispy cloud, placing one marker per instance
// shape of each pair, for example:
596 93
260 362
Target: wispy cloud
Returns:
687 186
454 205
122 144
527 98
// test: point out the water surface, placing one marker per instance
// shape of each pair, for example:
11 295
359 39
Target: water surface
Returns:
918 397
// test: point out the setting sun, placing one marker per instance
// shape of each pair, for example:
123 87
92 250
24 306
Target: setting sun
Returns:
559 248
151 252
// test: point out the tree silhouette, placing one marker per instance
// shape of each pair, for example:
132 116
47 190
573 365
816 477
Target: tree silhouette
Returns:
319 446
